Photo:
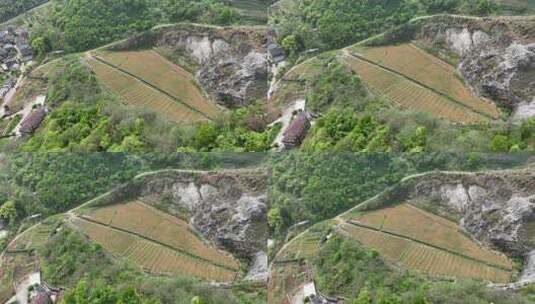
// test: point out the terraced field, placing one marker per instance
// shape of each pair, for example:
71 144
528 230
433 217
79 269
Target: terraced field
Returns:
409 60
135 93
156 70
33 238
425 242
409 94
424 258
151 256
431 229
302 247
151 223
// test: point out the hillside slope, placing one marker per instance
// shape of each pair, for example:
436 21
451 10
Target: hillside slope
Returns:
440 224
229 63
496 55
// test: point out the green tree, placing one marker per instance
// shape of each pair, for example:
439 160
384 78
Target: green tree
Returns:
274 217
8 211
500 143
289 44
41 46
197 300
90 23
364 297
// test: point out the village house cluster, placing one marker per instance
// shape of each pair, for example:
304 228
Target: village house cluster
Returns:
15 52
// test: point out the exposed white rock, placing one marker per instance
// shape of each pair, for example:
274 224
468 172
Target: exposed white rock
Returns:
207 191
455 195
199 47
459 39
480 39
524 111
187 193
528 275
22 293
259 268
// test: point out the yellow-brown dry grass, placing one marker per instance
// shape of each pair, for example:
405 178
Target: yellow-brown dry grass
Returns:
156 225
135 93
426 259
409 94
412 222
152 257
156 70
409 60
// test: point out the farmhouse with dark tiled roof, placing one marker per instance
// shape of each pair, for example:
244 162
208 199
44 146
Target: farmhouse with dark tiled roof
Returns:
33 121
297 130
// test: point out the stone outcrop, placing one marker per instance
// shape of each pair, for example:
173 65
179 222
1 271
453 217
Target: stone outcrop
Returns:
230 63
496 208
497 55
227 208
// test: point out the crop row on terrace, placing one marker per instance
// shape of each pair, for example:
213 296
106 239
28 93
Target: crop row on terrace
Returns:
33 238
424 258
151 223
412 222
135 93
156 70
303 246
436 263
152 257
409 94
159 259
415 63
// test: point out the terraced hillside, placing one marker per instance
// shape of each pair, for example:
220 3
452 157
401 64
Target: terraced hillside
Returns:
20 258
425 242
32 239
136 93
293 267
413 62
149 66
156 241
417 81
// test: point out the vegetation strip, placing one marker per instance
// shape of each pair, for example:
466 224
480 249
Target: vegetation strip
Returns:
151 86
157 242
355 223
357 56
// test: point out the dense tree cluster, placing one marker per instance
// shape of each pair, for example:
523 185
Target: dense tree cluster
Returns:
343 267
205 11
90 23
12 8
332 24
